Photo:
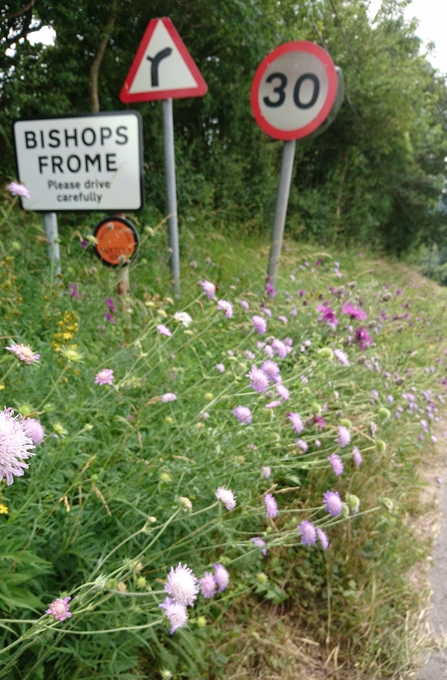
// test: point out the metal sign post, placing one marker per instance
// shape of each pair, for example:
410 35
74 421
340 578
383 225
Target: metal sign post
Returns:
52 234
171 193
164 69
293 93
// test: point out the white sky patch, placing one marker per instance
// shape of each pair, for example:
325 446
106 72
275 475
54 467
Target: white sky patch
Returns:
46 36
432 16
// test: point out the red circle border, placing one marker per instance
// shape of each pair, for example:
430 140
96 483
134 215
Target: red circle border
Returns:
329 67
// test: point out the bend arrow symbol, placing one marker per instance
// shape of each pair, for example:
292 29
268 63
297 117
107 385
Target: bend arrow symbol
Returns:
155 61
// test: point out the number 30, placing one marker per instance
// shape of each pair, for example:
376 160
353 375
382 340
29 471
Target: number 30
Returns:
279 90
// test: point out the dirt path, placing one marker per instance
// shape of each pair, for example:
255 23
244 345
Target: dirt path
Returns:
435 667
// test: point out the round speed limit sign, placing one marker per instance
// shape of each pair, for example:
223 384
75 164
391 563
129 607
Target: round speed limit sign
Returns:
293 90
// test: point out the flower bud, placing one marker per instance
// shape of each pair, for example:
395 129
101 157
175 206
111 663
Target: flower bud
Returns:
384 413
387 503
347 423
381 446
326 353
316 408
262 578
353 503
185 503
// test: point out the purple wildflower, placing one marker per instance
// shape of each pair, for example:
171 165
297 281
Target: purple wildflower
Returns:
259 543
332 503
227 497
225 307
74 291
18 189
344 436
341 356
283 392
110 305
222 577
220 368
307 532
15 445
169 396
249 355
109 317
175 612
327 315
273 404
209 289
323 539
104 377
244 305
319 421
34 430
83 243
280 348
259 324
363 338
24 353
269 288
258 379
337 464
283 319
266 472
181 585
60 609
296 421
271 506
354 312
271 369
207 585
164 330
301 444
243 414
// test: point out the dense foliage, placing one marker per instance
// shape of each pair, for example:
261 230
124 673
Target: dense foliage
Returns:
123 486
375 176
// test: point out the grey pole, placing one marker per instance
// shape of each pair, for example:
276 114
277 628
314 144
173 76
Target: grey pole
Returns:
51 231
288 156
168 142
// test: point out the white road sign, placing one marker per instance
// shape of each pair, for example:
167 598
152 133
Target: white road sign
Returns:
81 163
293 90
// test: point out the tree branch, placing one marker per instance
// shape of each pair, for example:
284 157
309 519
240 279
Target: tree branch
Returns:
19 12
99 56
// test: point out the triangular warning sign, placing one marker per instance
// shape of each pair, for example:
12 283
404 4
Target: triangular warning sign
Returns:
162 68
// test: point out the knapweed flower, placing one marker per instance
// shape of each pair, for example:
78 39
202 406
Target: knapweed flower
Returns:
169 396
209 289
60 609
259 324
269 288
34 430
336 463
271 506
296 421
357 456
354 312
225 307
344 436
18 189
258 379
181 585
327 315
15 445
227 497
266 472
23 352
363 338
104 377
183 318
74 291
323 538
272 370
175 612
109 317
222 577
220 368
341 356
164 330
259 543
110 305
208 585
332 503
243 414
307 532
